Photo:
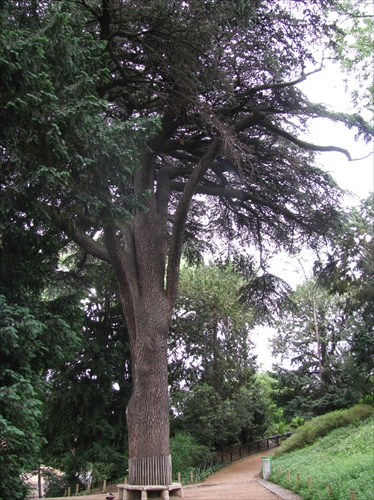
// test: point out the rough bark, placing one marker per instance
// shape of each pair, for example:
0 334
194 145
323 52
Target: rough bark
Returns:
148 409
137 254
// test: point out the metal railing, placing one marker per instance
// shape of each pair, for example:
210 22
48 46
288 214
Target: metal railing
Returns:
243 450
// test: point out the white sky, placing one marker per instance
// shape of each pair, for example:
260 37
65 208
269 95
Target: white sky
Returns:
327 87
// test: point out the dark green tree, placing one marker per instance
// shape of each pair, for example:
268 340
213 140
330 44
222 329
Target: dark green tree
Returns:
316 338
221 81
91 389
20 397
348 270
33 337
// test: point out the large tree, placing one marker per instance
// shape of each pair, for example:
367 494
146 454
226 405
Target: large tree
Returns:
209 336
316 338
220 78
348 270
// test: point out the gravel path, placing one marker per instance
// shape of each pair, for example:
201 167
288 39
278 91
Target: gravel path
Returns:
239 481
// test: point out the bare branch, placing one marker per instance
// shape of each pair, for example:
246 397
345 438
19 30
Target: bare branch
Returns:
90 246
276 86
303 144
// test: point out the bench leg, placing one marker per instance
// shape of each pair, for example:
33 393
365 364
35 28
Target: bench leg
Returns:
165 495
144 495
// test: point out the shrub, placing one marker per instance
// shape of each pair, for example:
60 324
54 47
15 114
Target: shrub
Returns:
54 484
187 453
322 425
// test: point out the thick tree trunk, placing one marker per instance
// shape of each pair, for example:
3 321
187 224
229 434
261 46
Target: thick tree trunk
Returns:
140 266
148 409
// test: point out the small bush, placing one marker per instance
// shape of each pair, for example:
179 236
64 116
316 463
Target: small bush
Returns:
321 426
54 484
187 454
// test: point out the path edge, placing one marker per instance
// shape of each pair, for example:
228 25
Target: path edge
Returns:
279 490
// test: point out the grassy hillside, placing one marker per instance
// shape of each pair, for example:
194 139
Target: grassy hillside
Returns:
327 464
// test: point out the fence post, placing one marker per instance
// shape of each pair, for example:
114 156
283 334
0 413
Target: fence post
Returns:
288 475
352 495
69 491
310 482
329 489
191 476
104 485
76 489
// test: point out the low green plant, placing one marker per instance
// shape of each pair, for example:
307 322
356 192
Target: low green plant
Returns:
187 454
337 463
201 472
322 425
54 484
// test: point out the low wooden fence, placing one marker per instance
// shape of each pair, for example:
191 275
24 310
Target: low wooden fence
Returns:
236 452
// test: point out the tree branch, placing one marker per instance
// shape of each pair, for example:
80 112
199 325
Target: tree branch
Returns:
180 218
90 246
276 86
303 144
239 194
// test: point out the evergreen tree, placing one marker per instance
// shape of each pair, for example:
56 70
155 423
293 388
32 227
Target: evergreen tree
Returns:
316 338
91 388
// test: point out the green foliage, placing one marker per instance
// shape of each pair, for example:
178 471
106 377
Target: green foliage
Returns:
317 336
57 148
92 388
209 338
187 453
354 43
20 393
342 458
348 270
320 426
214 421
54 484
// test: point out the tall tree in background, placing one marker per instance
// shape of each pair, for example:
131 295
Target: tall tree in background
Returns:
210 332
316 337
91 388
348 270
220 79
210 362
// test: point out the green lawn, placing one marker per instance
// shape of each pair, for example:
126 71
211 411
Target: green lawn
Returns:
343 459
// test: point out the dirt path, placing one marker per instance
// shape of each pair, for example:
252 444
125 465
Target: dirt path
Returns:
238 481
